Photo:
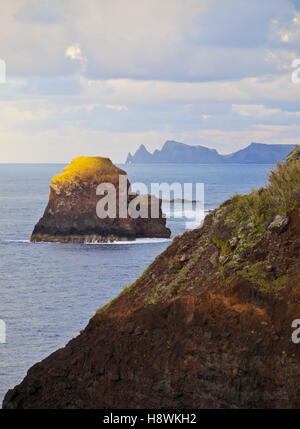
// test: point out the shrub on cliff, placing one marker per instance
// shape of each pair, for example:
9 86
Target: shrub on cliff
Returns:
281 195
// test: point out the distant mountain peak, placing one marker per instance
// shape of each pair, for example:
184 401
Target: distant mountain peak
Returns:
141 155
129 158
142 147
170 143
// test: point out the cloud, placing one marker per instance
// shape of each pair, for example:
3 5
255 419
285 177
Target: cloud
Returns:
74 52
296 4
287 32
36 86
242 23
253 110
101 77
117 107
39 12
173 40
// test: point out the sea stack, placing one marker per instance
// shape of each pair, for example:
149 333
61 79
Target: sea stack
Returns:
212 323
71 213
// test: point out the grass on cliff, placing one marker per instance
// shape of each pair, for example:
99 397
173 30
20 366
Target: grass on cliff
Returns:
281 195
248 216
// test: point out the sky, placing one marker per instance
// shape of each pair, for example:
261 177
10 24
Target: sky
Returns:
100 77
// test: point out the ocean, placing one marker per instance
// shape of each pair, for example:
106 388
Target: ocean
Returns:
49 291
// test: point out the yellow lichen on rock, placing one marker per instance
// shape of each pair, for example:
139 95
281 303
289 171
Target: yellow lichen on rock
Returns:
86 168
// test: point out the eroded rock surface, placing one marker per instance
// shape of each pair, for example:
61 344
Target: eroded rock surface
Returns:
279 223
71 216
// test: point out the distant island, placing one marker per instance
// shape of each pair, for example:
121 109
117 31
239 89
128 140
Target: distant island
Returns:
175 152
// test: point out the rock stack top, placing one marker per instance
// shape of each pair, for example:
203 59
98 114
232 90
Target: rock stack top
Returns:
88 168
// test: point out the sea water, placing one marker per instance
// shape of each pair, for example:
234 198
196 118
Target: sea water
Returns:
49 291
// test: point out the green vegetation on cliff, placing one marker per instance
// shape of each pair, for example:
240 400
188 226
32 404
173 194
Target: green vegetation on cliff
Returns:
281 195
234 240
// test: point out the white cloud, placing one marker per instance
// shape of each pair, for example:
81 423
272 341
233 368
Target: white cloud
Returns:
74 52
249 89
101 77
257 110
175 40
287 32
279 59
117 107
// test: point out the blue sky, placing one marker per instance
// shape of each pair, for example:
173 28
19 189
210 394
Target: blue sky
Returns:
100 77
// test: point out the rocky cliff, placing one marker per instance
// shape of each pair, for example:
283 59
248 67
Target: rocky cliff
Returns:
71 215
208 324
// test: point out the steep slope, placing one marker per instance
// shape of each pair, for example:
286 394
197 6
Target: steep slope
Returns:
207 325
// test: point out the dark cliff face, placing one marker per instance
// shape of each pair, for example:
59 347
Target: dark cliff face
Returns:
71 216
207 325
175 152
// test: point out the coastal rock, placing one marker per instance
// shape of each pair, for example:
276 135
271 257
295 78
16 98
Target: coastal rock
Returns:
195 334
279 223
71 214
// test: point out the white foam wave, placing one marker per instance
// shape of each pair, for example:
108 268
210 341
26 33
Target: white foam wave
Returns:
137 241
16 241
184 214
